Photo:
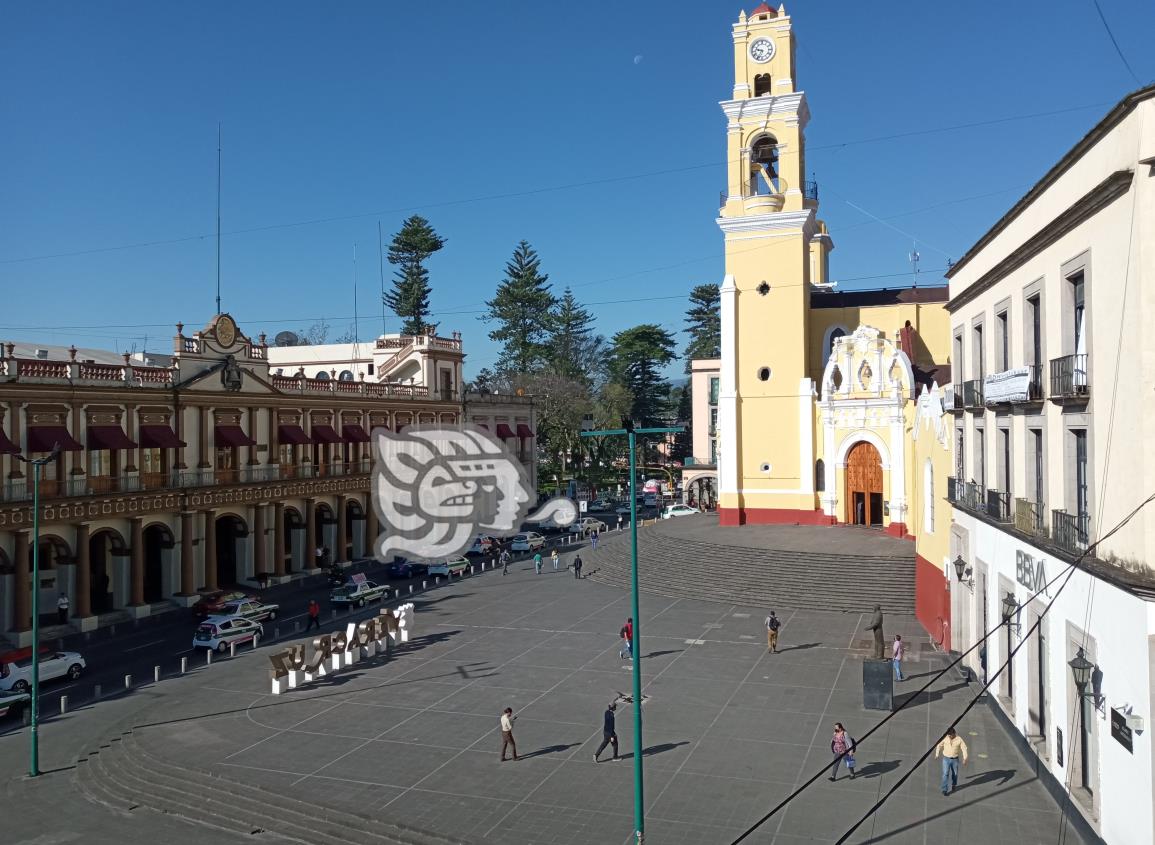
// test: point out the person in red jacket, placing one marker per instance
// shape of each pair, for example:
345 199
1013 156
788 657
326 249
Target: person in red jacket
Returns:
314 615
627 635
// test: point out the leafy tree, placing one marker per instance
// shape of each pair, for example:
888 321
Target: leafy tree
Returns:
315 335
522 308
348 336
410 248
704 317
636 358
574 350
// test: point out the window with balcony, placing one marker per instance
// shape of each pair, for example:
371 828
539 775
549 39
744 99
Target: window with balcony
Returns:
153 467
980 469
713 452
959 374
1070 373
226 464
102 470
714 381
960 454
1038 463
1035 330
1002 342
980 371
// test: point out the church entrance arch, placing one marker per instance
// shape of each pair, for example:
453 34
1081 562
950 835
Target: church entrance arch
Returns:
864 486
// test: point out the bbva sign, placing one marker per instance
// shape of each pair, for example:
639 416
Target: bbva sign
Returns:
333 652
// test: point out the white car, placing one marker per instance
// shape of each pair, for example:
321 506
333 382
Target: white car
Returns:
218 632
483 545
679 510
258 611
531 541
17 675
587 525
358 593
447 567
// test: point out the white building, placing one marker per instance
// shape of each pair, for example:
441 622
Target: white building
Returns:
700 473
1054 374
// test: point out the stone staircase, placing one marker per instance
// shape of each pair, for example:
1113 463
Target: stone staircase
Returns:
679 567
123 775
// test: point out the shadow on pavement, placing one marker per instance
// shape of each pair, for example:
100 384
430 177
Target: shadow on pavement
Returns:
656 749
549 749
1000 775
874 770
799 647
663 653
928 696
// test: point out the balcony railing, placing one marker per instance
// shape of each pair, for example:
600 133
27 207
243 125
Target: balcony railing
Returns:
999 505
965 494
1071 531
972 394
1013 387
810 190
50 488
1070 379
1031 518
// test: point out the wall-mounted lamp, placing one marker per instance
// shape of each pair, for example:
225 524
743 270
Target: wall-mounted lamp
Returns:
1010 609
960 569
1084 672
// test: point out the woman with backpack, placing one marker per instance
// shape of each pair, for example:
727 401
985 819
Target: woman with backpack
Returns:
842 745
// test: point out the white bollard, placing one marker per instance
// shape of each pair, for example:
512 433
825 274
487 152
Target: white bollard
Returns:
410 589
156 674
333 613
208 656
296 627
276 633
471 572
128 681
256 639
424 585
63 704
183 665
232 649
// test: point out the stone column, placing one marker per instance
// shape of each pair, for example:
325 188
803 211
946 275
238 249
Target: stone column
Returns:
342 530
22 601
15 467
136 560
76 458
210 552
82 601
259 542
279 539
188 559
371 526
310 533
274 457
130 429
203 435
254 435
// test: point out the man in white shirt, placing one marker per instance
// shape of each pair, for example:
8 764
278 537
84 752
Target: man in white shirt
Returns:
62 609
898 654
507 720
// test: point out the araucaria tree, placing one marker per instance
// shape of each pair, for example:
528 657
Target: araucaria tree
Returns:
522 311
410 248
636 358
574 350
704 317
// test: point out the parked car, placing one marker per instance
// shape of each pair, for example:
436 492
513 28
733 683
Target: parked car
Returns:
210 604
447 567
16 668
601 505
651 500
624 509
679 510
356 594
249 609
404 569
219 632
587 525
13 702
530 541
484 545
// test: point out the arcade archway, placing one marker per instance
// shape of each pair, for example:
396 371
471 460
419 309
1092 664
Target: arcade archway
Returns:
158 562
231 530
294 540
107 554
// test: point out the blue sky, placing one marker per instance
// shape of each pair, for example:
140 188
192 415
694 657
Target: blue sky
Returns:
357 112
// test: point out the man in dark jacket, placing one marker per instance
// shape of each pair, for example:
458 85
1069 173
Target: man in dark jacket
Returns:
577 566
609 734
876 626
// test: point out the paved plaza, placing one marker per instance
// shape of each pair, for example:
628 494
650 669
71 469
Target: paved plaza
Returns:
414 740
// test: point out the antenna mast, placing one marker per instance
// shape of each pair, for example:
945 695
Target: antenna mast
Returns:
218 217
356 325
381 270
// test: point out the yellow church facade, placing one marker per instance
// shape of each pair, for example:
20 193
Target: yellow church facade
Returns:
830 402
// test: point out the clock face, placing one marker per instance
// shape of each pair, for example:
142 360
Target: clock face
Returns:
226 331
762 50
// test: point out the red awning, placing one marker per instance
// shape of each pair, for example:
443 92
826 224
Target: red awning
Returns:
504 431
232 435
108 437
524 431
325 434
354 433
159 437
292 435
43 438
6 446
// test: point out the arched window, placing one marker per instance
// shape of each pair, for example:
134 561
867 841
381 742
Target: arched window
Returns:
346 375
764 166
820 475
832 335
761 84
928 497
322 376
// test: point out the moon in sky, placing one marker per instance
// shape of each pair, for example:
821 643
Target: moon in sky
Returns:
637 60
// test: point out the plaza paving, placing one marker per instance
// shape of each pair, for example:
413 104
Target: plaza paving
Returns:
729 730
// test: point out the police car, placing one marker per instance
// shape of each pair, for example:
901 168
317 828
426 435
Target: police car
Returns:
358 591
219 632
252 609
457 566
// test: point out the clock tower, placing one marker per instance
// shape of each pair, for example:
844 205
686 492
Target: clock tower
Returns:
776 250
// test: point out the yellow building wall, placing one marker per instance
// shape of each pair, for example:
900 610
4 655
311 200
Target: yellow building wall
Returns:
930 320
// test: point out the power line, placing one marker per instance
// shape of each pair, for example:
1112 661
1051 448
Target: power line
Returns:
535 191
1118 49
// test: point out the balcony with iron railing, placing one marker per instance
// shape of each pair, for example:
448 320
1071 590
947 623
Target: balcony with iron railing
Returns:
810 190
98 485
1071 531
998 505
965 494
1031 518
1070 380
972 395
1018 386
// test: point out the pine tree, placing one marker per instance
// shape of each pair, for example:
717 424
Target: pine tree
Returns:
574 350
636 359
409 250
522 309
705 320
683 445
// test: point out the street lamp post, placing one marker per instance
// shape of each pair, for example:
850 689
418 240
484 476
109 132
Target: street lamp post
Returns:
34 735
631 432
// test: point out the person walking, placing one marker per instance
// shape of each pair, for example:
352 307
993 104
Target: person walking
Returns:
609 733
537 562
842 746
556 558
876 626
507 741
772 626
506 557
898 651
314 615
62 609
952 748
577 567
594 540
627 635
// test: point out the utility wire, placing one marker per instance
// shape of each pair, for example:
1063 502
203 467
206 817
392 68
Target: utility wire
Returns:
1118 49
1067 574
535 191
